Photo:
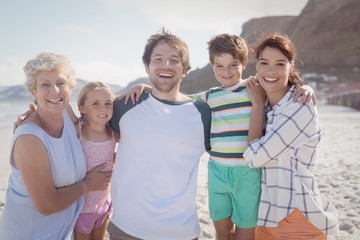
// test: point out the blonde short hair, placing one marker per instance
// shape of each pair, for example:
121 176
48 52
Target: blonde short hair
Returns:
47 61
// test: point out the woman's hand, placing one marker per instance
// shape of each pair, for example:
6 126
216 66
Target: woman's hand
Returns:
134 93
97 178
303 94
257 96
256 93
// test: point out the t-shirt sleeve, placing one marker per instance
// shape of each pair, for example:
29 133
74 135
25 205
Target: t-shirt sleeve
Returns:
120 109
115 119
201 96
205 113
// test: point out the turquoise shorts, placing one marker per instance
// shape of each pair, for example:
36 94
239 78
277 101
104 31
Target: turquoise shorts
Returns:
234 191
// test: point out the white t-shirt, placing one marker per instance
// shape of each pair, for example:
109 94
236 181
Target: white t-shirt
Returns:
153 186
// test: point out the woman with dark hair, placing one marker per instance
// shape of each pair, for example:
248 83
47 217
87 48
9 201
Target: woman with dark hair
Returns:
291 205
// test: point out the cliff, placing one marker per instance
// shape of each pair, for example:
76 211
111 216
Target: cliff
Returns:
326 35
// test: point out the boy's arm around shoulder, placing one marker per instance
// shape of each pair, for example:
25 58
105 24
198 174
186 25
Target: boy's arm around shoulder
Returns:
304 94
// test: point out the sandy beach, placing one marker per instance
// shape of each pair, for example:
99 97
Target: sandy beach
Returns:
5 138
338 166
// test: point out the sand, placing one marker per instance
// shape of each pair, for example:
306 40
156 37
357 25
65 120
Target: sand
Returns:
5 138
338 167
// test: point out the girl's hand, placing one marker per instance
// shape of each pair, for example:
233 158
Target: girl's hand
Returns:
134 93
24 116
303 94
256 93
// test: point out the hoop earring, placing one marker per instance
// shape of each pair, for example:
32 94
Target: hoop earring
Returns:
83 119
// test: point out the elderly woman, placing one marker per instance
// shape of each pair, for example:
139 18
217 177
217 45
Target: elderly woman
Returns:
48 171
291 205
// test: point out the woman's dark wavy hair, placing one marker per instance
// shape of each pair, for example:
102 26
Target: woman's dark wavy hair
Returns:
283 44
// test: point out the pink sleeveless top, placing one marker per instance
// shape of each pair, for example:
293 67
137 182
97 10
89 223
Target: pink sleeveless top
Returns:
97 153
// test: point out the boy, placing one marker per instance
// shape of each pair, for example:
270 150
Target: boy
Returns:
234 188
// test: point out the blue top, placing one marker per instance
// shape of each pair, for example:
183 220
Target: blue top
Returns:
20 218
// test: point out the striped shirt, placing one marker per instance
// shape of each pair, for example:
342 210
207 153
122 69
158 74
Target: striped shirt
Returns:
287 156
231 111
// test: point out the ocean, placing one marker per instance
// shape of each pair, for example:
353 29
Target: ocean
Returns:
10 111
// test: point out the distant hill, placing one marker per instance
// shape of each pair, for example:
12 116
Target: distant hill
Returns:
326 35
253 27
133 83
199 80
19 92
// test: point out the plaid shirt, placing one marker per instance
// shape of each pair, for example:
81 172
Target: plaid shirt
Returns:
287 156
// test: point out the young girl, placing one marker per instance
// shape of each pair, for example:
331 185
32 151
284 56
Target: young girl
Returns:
95 104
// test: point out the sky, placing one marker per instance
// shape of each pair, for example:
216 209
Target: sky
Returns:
105 39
